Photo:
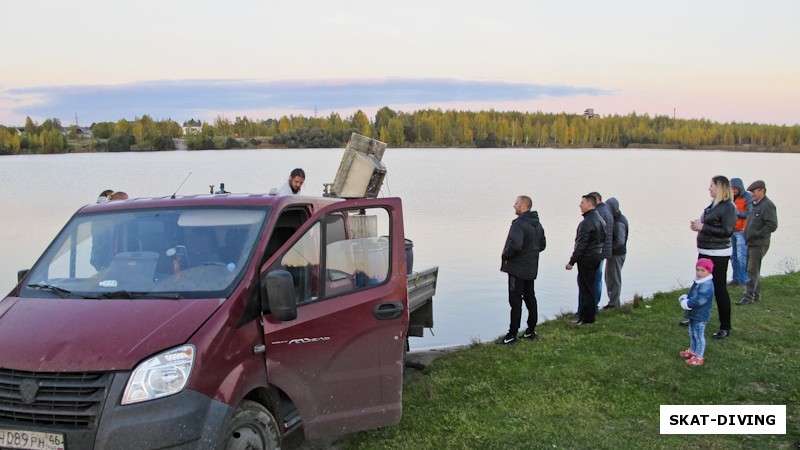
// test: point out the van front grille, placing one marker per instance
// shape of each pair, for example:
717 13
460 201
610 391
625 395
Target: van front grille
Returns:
63 399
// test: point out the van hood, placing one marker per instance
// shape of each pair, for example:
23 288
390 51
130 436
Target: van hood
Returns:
79 335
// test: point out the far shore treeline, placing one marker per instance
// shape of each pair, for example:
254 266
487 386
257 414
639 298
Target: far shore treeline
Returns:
423 128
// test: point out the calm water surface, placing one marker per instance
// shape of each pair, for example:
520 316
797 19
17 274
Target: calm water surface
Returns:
458 206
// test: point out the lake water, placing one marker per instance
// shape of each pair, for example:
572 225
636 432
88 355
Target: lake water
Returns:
458 206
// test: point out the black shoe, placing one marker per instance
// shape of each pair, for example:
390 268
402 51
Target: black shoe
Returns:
609 306
745 301
582 323
684 323
529 334
721 333
508 339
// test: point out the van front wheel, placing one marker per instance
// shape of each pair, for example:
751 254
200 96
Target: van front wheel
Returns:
252 427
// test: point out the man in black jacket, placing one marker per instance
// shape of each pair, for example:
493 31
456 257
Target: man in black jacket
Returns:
521 262
587 254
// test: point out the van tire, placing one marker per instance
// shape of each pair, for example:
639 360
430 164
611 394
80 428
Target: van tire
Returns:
252 427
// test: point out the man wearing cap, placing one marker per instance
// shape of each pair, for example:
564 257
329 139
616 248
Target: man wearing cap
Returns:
761 223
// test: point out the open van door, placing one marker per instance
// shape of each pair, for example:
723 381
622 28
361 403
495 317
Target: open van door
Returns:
340 359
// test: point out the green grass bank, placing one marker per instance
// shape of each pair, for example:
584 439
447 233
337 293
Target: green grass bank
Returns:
601 386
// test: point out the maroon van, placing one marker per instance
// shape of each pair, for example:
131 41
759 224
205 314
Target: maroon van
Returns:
212 322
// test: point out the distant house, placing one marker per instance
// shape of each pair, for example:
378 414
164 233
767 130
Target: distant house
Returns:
192 126
589 113
81 132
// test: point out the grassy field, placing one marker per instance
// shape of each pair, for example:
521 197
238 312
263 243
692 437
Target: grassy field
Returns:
600 386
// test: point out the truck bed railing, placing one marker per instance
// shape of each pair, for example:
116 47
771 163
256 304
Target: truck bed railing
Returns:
421 289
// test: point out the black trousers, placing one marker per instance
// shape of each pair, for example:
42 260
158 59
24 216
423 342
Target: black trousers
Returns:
587 288
520 290
720 274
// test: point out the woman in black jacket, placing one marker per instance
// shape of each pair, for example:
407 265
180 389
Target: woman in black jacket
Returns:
714 229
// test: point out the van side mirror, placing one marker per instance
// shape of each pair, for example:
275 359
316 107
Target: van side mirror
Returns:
21 274
278 290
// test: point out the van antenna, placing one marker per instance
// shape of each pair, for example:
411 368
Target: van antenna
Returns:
181 185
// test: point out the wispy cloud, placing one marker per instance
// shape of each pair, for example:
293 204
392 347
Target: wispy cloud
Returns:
181 99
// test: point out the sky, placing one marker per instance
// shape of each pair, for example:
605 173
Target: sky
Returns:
93 60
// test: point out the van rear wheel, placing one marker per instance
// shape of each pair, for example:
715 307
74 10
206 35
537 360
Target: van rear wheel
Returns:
252 427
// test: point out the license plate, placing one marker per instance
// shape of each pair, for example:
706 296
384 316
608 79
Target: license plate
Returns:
31 440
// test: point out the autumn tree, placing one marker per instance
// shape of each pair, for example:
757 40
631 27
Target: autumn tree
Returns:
383 116
9 141
394 133
361 123
284 125
102 130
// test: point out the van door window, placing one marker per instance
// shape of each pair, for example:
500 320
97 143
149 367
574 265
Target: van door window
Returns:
356 250
302 261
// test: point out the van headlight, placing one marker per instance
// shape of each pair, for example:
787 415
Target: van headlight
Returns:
162 375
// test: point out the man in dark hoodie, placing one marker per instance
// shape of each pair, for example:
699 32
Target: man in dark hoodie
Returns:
608 220
618 251
744 203
521 262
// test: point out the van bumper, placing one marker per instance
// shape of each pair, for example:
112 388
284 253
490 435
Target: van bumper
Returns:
187 420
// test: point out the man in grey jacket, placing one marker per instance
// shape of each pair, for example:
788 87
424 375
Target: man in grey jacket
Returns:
608 243
618 251
762 221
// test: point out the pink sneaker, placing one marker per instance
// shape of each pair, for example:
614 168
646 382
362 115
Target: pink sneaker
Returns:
695 361
687 353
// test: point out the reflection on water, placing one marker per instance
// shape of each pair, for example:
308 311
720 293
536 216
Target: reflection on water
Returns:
458 205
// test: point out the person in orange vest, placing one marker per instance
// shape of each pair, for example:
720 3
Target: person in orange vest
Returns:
744 203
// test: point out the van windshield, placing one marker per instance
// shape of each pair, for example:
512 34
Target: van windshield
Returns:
154 253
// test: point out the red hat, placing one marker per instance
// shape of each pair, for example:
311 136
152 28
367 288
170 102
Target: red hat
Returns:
705 263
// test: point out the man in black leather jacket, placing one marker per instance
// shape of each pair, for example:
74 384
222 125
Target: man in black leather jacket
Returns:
587 254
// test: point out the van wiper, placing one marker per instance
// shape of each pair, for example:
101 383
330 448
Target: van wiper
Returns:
138 294
63 293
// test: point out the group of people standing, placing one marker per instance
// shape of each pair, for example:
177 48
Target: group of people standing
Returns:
602 236
735 227
601 240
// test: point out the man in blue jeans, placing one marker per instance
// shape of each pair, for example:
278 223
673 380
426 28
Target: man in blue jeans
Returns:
744 203
608 221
